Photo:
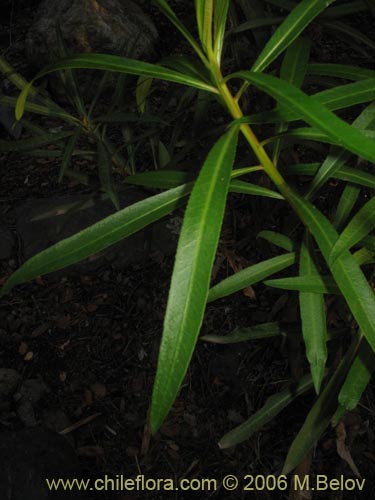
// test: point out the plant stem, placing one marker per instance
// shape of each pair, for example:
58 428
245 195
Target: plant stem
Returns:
259 151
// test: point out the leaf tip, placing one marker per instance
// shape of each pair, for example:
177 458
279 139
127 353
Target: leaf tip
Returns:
21 101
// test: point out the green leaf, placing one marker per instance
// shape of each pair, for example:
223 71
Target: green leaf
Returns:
298 19
364 256
242 187
204 10
293 70
309 283
355 176
277 239
99 236
340 71
41 109
313 318
118 64
191 274
163 155
369 243
142 91
250 275
261 331
337 158
345 270
220 19
255 23
273 406
345 205
320 414
361 224
334 99
358 377
167 179
313 113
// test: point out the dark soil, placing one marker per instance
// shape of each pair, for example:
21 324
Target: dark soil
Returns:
94 339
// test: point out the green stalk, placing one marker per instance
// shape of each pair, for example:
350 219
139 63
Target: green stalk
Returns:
256 146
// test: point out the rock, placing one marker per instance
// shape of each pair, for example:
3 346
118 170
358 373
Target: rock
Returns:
9 380
6 242
118 27
29 394
31 456
41 223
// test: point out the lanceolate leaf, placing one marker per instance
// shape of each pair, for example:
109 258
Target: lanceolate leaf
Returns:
261 331
273 406
358 377
309 283
220 20
340 71
99 236
300 17
337 98
118 64
167 179
191 275
313 113
205 10
293 70
250 276
277 239
345 205
345 270
312 134
320 414
313 318
359 227
353 175
242 187
337 158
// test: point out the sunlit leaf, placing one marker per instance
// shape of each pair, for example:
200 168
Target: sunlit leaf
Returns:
99 236
298 19
277 239
118 64
189 287
345 270
250 275
358 377
320 414
309 283
313 113
313 318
